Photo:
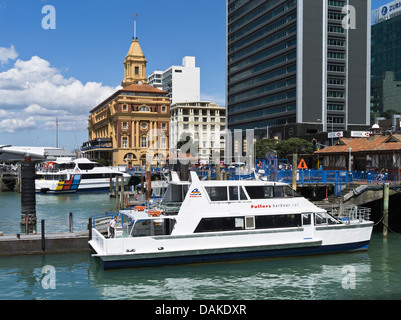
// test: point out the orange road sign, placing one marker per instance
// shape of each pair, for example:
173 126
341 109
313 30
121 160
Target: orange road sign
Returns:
302 164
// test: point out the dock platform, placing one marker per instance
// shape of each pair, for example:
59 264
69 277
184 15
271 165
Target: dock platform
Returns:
32 244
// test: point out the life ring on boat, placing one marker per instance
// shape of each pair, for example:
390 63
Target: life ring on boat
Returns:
137 197
154 213
140 208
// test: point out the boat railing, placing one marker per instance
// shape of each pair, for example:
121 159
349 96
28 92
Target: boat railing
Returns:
350 214
102 219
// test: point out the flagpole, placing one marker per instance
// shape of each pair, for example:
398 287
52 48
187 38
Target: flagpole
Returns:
135 25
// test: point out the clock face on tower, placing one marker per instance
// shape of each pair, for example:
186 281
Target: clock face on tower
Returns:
144 125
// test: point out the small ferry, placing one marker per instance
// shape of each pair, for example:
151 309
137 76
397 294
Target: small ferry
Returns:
204 221
65 175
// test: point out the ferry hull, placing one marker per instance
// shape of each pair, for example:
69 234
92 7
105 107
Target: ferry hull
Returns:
93 189
314 248
60 187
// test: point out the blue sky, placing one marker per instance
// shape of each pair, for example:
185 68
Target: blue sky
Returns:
65 72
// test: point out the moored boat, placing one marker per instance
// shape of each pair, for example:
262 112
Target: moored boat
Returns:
65 175
203 221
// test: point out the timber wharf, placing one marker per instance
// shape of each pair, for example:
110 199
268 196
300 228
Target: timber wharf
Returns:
32 244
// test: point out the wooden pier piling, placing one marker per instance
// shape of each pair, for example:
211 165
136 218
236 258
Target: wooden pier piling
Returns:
116 191
218 173
148 177
28 196
294 171
43 236
122 198
70 221
386 199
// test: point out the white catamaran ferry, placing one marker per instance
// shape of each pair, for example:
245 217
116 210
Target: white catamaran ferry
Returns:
66 175
203 221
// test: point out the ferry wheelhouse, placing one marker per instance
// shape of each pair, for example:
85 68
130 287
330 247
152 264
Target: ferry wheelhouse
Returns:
66 175
202 221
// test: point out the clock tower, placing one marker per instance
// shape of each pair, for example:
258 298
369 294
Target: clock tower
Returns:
134 65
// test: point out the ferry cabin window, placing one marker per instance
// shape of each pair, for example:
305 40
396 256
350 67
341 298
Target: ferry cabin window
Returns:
175 193
54 177
220 224
267 192
234 195
290 192
86 166
320 218
278 221
306 219
250 222
217 193
325 218
260 192
278 192
100 175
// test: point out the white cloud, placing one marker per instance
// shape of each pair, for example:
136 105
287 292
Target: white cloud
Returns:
38 90
38 110
7 54
13 125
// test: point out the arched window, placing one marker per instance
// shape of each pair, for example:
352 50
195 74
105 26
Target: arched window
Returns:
129 157
144 109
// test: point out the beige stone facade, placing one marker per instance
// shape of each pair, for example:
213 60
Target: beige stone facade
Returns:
133 123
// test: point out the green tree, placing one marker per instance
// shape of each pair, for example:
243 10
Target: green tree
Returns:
263 146
102 162
187 145
283 148
293 145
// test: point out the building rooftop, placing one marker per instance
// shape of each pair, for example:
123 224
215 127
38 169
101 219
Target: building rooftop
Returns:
137 88
374 143
16 153
146 88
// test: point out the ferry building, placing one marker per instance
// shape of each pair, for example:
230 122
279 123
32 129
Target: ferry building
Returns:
132 121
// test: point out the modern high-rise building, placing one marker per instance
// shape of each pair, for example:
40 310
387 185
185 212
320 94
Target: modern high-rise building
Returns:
298 67
155 79
386 57
181 82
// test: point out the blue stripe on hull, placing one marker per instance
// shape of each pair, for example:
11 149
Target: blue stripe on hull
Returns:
235 256
102 189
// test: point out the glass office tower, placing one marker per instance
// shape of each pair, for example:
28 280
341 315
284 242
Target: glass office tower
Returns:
294 68
386 57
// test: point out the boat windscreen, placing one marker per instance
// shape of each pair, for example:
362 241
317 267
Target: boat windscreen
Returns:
175 193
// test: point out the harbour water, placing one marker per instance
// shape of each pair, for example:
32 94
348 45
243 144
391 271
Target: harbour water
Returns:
373 274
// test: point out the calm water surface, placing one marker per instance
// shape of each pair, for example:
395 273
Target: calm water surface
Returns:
54 209
375 274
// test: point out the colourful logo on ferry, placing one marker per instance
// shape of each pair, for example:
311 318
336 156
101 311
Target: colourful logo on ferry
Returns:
195 193
71 184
